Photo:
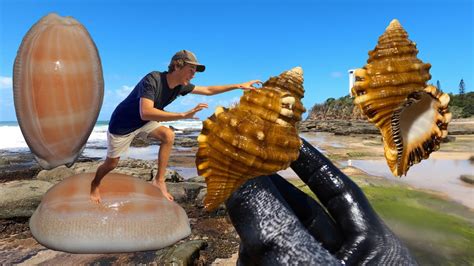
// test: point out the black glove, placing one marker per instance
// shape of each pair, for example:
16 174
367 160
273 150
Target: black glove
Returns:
279 224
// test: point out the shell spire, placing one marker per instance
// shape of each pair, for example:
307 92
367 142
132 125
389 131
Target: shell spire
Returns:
391 91
256 137
394 24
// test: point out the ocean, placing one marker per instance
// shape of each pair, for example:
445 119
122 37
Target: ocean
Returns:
12 139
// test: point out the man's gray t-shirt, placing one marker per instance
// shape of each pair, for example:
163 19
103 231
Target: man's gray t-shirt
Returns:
126 116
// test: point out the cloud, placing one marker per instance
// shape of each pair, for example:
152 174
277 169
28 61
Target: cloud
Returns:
124 91
192 100
6 82
113 97
336 74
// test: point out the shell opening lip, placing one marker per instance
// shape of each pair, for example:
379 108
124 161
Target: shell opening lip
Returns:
416 129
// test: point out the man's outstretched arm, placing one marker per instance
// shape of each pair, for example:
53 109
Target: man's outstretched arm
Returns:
212 90
149 113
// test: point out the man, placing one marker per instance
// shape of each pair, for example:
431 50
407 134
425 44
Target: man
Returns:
143 109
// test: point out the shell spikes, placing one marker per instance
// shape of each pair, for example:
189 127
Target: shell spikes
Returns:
256 137
391 91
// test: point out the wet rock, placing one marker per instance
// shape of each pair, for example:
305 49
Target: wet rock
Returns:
333 115
4 162
191 131
199 202
341 133
179 141
338 126
142 173
19 172
134 167
358 126
21 197
460 128
192 190
85 167
28 252
467 178
142 169
184 254
178 192
170 175
55 175
197 179
186 142
448 138
17 165
200 198
184 191
141 142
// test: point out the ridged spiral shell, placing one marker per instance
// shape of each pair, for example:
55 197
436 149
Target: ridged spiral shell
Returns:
391 91
256 137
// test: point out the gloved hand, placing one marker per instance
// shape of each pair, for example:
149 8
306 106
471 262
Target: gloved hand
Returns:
279 224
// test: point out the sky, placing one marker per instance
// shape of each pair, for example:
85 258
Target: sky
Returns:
240 41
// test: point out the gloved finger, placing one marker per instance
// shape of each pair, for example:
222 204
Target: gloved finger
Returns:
270 233
314 217
344 200
367 239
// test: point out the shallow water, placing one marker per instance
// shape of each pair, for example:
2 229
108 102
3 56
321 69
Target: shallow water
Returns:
185 172
433 174
320 137
143 153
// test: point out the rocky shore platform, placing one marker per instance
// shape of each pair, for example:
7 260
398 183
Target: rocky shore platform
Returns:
213 240
213 237
348 127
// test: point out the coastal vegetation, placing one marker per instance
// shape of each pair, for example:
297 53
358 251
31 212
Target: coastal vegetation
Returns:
461 105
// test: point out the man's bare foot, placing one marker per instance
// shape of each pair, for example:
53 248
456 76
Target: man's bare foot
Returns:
95 194
161 185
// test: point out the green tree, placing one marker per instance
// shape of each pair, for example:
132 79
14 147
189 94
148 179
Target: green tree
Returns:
462 88
438 85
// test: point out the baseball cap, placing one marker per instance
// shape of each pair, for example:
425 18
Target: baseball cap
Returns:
190 58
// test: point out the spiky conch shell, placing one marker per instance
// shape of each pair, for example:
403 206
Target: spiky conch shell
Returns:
391 91
256 137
